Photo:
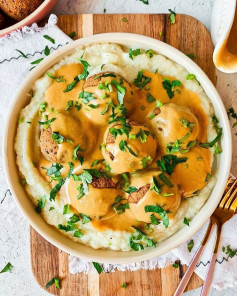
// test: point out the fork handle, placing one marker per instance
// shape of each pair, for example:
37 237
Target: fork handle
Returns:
210 273
182 285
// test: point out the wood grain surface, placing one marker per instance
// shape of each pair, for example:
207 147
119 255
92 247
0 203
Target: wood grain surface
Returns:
189 36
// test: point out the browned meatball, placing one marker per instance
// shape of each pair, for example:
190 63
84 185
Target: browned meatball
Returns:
134 197
19 9
102 182
47 145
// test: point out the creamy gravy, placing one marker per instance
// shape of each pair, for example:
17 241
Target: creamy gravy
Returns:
227 55
87 127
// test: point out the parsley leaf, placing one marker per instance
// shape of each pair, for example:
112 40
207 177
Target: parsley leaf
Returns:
213 142
166 180
134 52
170 85
55 281
172 16
58 79
186 221
190 245
140 81
7 268
120 91
49 38
85 219
168 162
41 204
98 267
160 211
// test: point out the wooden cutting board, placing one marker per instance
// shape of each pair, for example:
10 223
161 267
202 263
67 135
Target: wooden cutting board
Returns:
189 36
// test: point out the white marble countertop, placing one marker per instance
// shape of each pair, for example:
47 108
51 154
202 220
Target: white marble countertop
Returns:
14 237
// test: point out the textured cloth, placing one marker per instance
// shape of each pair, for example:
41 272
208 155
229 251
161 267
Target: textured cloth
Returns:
13 69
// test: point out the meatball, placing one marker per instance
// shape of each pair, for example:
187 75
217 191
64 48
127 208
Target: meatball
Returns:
98 202
19 9
47 145
59 141
172 123
101 93
169 198
129 147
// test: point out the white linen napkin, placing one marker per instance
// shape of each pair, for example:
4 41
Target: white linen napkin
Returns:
13 69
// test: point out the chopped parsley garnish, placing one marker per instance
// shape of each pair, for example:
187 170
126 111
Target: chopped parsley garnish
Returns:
186 221
213 142
75 152
187 123
55 281
85 219
160 211
166 180
156 186
134 52
154 220
130 189
190 55
47 50
59 139
41 204
7 268
144 1
21 119
175 265
150 98
66 209
207 177
168 162
97 161
72 34
56 188
149 53
77 233
145 161
169 86
58 79
192 77
123 145
86 97
229 251
49 38
190 245
124 285
118 206
69 105
81 76
142 135
172 16
98 267
54 170
141 81
120 91
217 149
124 19
37 61
139 240
47 122
22 54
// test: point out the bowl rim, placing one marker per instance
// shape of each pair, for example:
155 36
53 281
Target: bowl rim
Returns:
29 19
181 235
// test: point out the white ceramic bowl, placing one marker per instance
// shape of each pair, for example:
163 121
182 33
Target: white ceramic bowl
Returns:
52 234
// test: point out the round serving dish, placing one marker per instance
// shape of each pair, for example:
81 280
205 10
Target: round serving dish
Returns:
35 16
52 234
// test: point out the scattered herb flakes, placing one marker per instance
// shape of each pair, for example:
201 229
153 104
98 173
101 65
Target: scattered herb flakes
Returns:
7 268
134 52
168 162
120 91
145 2
49 38
66 209
59 139
166 180
175 265
118 206
58 79
229 251
156 186
207 177
104 10
51 208
214 141
85 219
160 211
40 204
47 50
124 285
192 77
139 240
190 245
186 221
76 150
149 53
217 149
21 119
37 61
145 161
231 113
124 19
150 98
55 281
191 55
72 34
77 233
22 54
172 16
47 122
141 81
170 85
98 267
154 220
54 170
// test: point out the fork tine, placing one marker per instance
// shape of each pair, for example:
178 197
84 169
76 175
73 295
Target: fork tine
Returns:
226 196
231 199
228 184
233 206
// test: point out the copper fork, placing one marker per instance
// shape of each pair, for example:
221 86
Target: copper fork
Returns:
225 210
